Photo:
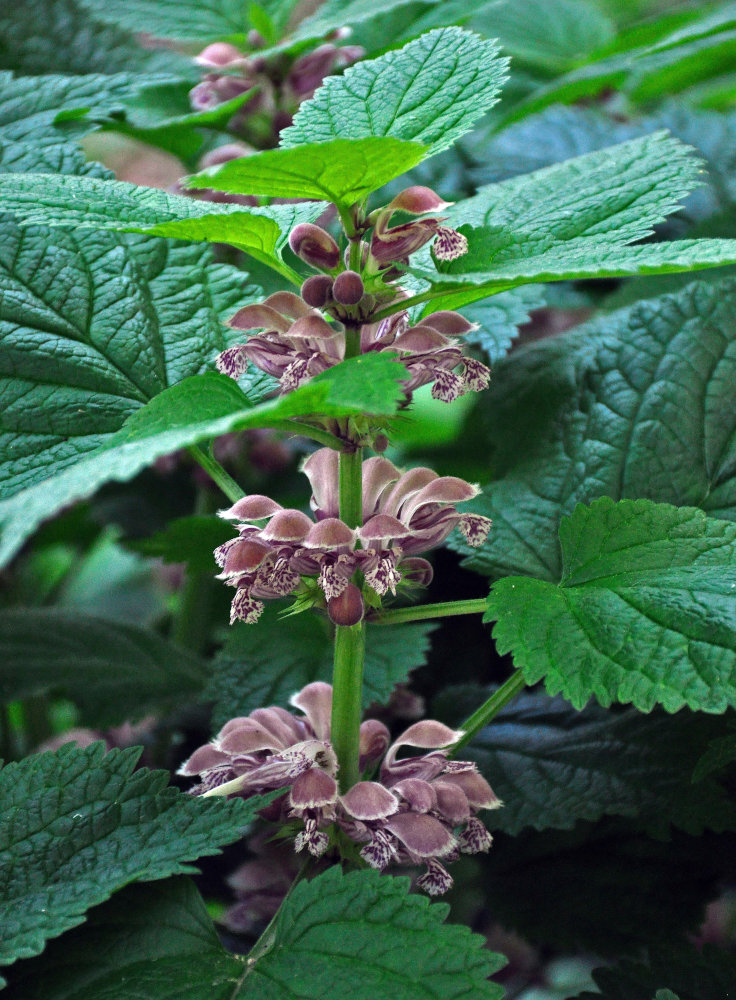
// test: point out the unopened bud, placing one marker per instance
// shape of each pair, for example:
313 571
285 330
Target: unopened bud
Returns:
256 39
380 443
220 54
314 246
316 290
347 609
348 288
418 200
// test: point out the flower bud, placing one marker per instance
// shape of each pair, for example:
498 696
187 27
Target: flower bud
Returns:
418 200
380 443
316 290
223 154
314 246
348 288
347 609
220 54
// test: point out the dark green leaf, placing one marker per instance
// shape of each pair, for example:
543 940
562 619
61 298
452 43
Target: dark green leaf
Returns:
187 539
692 974
187 20
644 613
79 825
265 664
114 672
719 754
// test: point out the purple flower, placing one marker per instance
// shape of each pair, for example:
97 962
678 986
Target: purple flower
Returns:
393 245
403 514
422 810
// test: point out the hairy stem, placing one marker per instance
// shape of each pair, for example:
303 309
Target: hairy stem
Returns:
489 709
216 472
395 616
347 692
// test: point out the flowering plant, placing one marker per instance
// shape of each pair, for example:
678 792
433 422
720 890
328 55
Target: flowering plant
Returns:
272 462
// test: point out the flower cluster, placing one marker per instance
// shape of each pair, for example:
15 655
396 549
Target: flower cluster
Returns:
422 809
403 514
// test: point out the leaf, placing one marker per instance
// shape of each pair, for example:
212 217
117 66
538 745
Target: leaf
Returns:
693 974
113 671
79 825
198 408
84 202
185 20
550 887
637 404
186 539
60 36
88 338
331 935
265 664
329 938
499 319
644 612
116 951
431 91
553 766
720 753
343 171
334 14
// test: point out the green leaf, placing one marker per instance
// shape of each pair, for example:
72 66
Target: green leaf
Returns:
692 974
329 938
186 20
198 408
602 410
112 671
334 14
103 326
84 202
343 171
553 766
719 754
431 91
265 664
186 539
499 318
331 935
80 825
550 887
644 612
156 939
61 36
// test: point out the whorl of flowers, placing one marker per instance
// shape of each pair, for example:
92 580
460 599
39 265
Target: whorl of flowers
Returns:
420 810
403 514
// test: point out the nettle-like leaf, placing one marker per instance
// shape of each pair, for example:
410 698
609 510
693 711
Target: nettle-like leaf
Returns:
692 974
112 671
343 170
185 20
576 220
553 766
87 203
190 540
549 886
334 14
267 663
635 404
498 319
329 939
199 408
61 36
431 91
644 612
79 825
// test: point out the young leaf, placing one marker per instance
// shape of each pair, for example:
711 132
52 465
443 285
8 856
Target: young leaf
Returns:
343 171
265 664
198 408
635 404
80 825
155 938
332 930
644 612
553 766
113 672
431 91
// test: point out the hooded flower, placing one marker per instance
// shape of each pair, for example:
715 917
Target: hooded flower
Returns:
421 810
394 244
403 514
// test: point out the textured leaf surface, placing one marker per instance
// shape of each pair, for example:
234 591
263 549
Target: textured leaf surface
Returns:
85 202
114 672
354 13
152 940
342 171
181 19
553 766
78 825
692 975
198 408
190 539
636 404
430 91
331 939
265 664
644 613
499 318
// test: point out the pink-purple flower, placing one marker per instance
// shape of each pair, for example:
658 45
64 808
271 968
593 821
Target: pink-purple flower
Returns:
418 810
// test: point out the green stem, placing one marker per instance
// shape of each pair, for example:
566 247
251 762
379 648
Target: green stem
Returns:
355 255
191 626
351 487
347 697
395 616
489 709
216 472
305 430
